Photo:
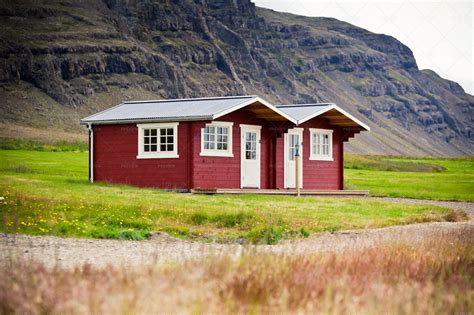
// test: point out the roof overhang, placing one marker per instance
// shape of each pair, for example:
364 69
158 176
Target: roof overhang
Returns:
337 116
261 108
144 120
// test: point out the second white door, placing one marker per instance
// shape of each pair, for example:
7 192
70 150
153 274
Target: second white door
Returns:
293 138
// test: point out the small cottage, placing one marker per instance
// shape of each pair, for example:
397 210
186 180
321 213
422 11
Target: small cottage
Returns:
232 142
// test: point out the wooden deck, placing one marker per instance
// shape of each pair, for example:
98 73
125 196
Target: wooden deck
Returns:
303 192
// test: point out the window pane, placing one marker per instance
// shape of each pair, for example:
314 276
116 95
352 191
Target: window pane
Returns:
153 140
254 155
206 145
153 148
170 147
170 131
163 132
219 146
147 140
163 147
170 139
211 145
153 132
147 148
248 155
224 146
225 131
147 132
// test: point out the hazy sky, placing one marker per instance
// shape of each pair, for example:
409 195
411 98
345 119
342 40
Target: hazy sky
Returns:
440 34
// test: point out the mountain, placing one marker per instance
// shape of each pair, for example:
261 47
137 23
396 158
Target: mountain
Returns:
61 60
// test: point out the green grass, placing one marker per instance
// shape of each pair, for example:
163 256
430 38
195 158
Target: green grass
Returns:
36 145
423 178
48 193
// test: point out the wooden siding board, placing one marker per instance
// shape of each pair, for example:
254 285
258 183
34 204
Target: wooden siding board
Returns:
224 172
322 174
115 159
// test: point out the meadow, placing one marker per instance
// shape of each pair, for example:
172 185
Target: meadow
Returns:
434 276
421 178
46 192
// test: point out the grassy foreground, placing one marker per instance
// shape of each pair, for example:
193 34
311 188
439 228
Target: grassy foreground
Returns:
434 277
422 178
48 193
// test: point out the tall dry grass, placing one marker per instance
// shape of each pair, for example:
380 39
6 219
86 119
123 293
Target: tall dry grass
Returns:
435 277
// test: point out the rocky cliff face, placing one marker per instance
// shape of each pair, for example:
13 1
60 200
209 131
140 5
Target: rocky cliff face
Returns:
66 59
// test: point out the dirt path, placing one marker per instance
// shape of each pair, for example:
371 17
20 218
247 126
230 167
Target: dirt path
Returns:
70 252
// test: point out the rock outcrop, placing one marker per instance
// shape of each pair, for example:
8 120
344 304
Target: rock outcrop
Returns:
60 60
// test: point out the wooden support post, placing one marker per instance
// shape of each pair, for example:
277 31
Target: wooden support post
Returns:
297 175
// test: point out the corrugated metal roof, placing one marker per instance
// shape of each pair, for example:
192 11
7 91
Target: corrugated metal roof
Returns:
301 111
167 110
206 109
304 112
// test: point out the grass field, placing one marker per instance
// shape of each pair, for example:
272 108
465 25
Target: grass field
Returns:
428 178
48 193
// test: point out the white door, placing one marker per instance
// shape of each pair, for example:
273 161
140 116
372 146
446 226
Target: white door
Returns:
291 139
250 156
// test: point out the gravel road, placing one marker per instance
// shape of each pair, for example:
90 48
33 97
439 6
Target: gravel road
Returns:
71 252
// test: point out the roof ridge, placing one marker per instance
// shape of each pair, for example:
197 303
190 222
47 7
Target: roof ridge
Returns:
305 105
190 99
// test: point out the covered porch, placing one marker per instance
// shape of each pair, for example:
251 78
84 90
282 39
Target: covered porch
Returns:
303 192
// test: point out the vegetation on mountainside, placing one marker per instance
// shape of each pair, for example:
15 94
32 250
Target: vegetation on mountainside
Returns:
86 56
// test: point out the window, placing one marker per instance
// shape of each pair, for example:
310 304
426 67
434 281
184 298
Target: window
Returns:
157 141
293 142
216 139
321 144
250 145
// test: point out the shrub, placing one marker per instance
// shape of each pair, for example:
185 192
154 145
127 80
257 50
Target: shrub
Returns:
131 234
267 235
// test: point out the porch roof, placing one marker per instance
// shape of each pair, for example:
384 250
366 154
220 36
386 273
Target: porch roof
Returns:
336 115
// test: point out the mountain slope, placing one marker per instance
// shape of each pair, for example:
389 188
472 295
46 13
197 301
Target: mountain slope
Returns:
62 60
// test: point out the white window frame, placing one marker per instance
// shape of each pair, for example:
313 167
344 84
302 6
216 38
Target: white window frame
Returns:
215 152
157 155
320 157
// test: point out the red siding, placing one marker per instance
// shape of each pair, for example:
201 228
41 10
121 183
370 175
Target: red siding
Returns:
325 175
224 172
280 162
115 159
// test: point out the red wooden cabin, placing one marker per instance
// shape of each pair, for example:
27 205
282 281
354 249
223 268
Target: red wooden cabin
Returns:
222 142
